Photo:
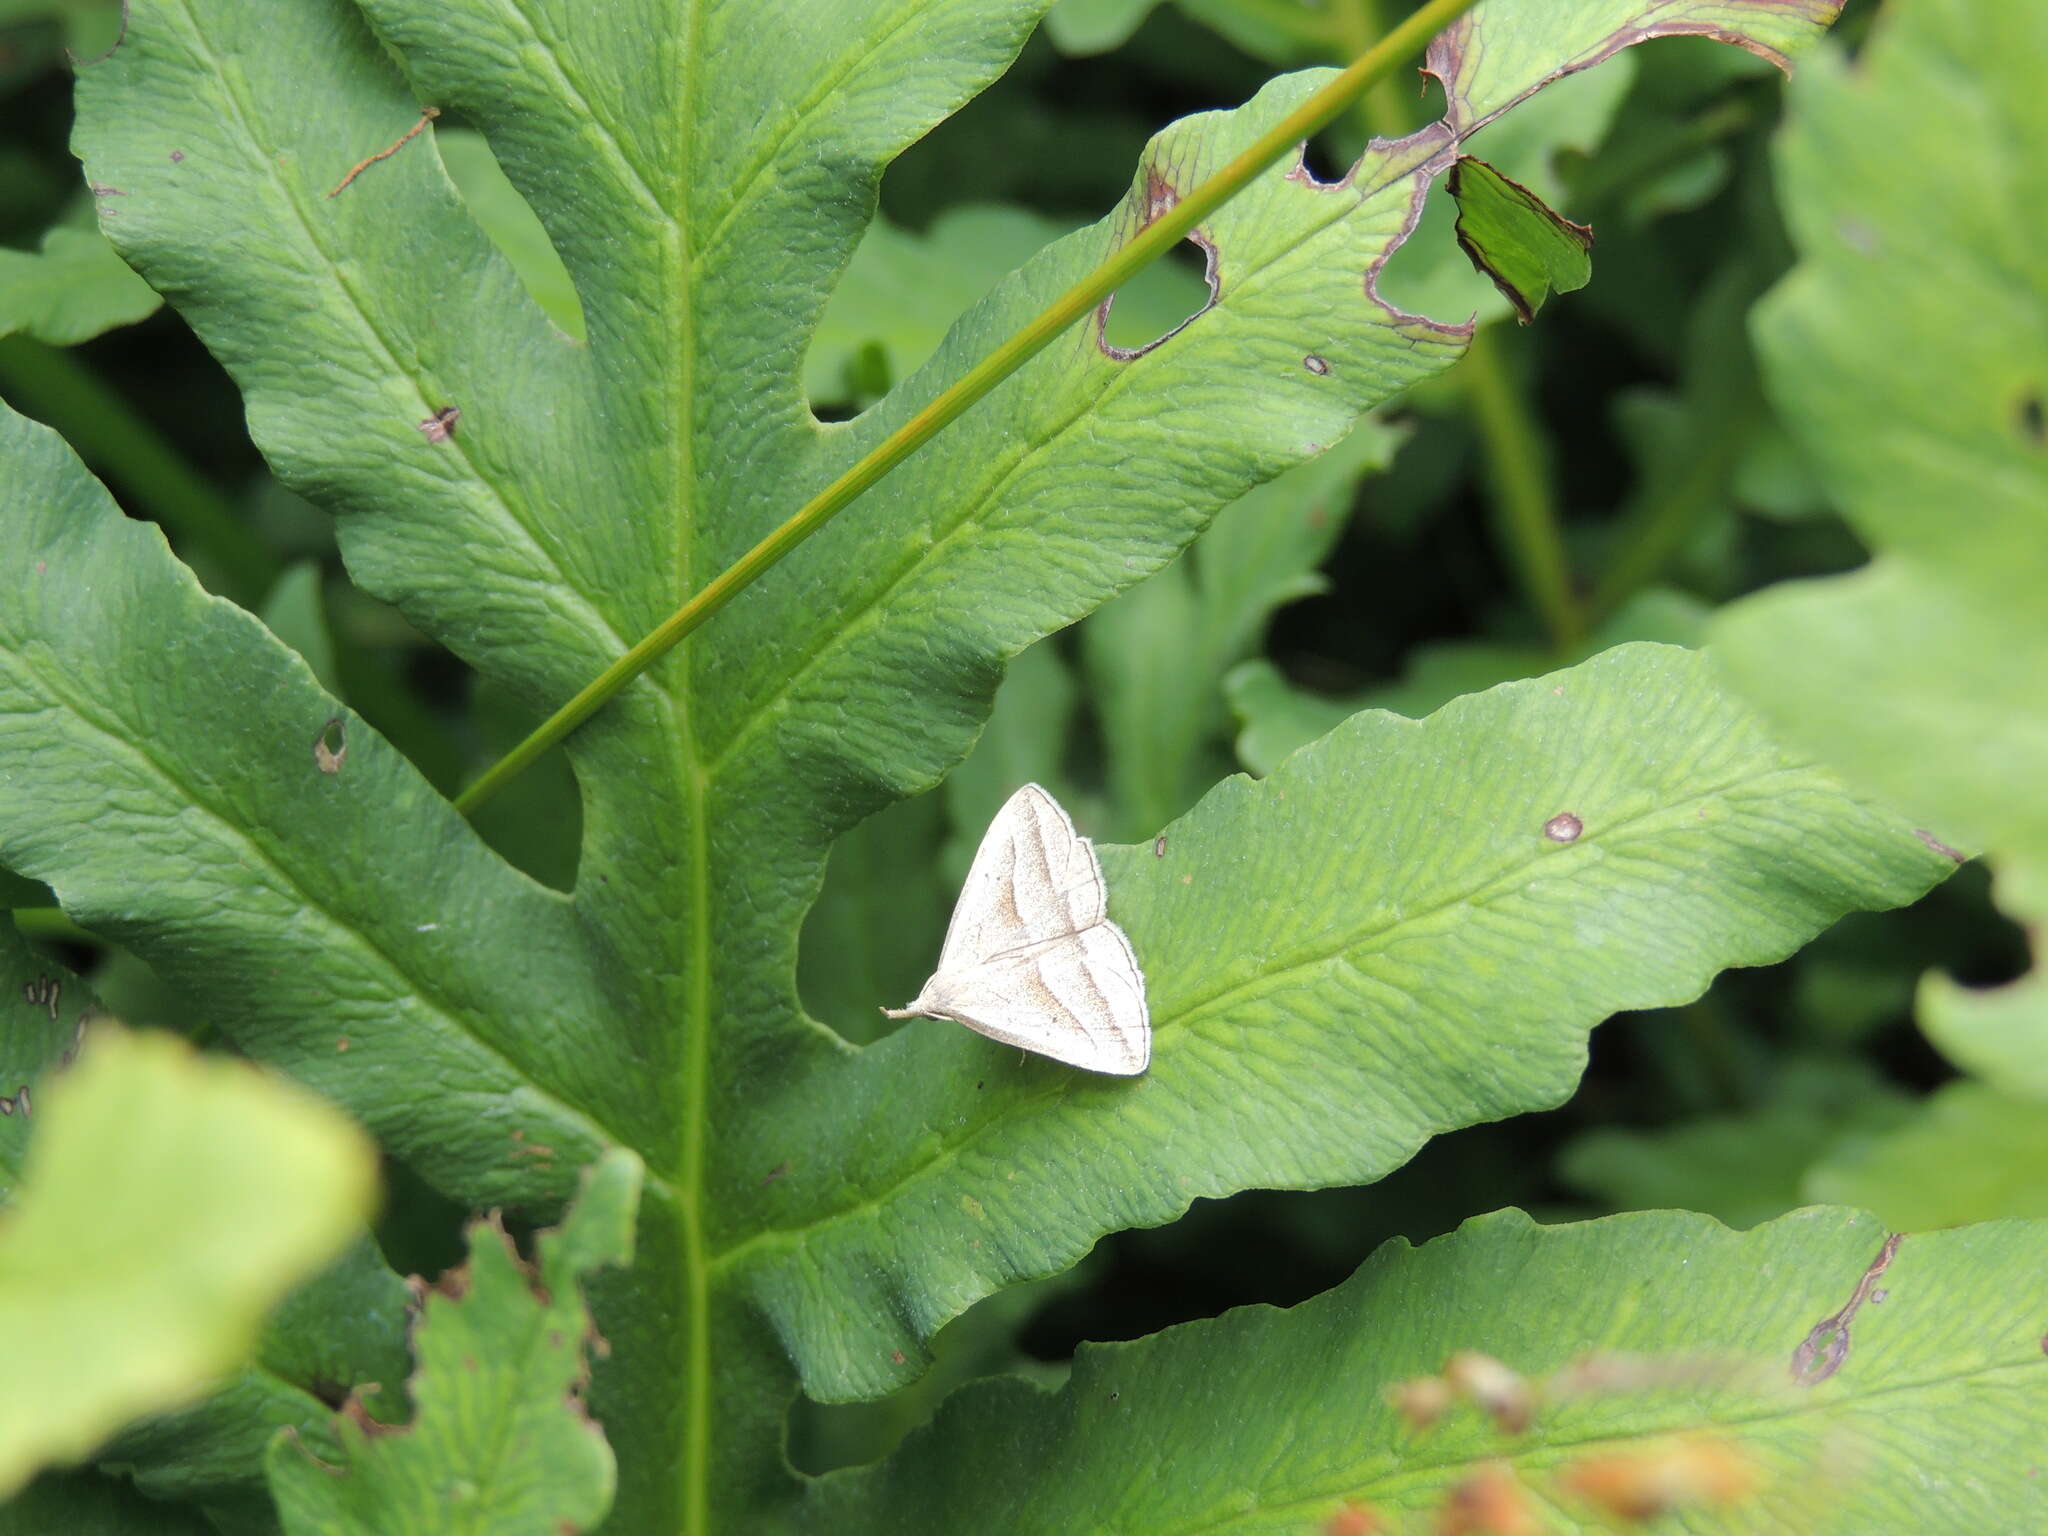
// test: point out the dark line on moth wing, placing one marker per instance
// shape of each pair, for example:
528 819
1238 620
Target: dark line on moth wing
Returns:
1085 972
1028 951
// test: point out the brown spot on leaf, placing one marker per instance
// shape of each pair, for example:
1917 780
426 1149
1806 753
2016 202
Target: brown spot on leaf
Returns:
1564 827
896 1356
341 1045
440 426
1826 1345
177 155
779 1171
1939 846
2033 420
1319 366
329 758
1159 846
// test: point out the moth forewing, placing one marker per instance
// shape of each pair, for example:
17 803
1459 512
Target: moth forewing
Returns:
1030 959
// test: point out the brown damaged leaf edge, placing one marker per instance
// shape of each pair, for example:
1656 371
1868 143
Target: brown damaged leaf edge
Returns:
1160 199
1826 1345
120 37
1939 846
1447 55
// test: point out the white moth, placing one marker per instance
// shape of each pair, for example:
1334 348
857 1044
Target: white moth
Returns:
1030 958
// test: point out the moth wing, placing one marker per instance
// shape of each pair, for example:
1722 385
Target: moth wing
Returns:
1079 999
1033 878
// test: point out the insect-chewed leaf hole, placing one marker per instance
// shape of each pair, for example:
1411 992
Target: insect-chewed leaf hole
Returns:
1159 300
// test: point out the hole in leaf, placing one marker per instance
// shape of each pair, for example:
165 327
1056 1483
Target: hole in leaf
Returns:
1159 300
982 1341
330 745
451 724
512 225
873 935
1327 158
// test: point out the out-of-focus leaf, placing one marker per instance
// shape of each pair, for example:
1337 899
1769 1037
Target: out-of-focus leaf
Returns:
1026 741
1094 26
294 612
499 1441
1275 717
71 290
512 225
1156 657
1622 1333
89 1504
168 1203
1525 248
874 933
90 26
1741 1168
981 1342
1688 445
1966 1153
1921 675
343 1330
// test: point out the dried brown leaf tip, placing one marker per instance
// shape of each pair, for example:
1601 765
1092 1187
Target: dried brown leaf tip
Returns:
1491 1502
1701 1473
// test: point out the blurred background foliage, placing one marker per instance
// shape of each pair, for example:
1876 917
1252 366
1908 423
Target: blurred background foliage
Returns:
1611 472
